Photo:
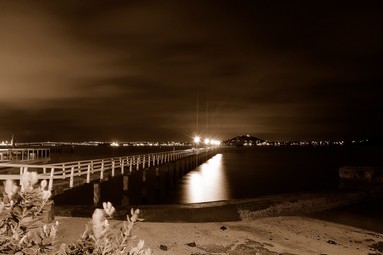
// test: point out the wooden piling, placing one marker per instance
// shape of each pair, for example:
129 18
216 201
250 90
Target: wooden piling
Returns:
125 183
96 193
144 175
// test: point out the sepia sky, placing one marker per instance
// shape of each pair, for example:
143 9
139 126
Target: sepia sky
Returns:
167 70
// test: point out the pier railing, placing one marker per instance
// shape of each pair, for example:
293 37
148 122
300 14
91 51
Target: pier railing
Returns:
13 155
78 172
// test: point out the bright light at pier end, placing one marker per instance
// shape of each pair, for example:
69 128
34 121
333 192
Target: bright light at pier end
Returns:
206 141
215 142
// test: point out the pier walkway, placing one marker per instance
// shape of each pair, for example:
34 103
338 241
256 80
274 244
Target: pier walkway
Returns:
67 175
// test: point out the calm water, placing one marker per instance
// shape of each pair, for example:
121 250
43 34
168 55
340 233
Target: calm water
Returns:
245 173
259 171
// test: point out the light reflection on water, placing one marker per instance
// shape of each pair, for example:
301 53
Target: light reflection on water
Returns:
208 182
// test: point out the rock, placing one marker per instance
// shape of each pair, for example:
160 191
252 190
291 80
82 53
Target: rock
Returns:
191 244
377 246
223 228
163 247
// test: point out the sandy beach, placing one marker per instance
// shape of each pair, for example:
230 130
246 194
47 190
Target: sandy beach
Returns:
272 235
285 224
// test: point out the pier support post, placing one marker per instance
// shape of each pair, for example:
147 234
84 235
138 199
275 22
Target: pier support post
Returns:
125 183
175 170
96 193
144 175
167 176
175 177
144 188
157 185
157 171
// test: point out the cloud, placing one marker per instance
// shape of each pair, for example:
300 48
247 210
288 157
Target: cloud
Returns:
41 60
137 69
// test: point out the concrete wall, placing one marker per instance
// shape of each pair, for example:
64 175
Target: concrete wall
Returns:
356 177
371 175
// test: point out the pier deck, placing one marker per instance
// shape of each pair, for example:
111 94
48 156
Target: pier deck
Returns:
67 175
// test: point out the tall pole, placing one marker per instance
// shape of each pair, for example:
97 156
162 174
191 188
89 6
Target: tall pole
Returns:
197 115
196 144
207 118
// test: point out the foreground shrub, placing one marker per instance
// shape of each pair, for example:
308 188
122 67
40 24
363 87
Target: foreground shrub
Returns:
99 238
21 212
22 230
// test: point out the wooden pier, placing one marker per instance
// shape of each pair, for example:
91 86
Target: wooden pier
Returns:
67 175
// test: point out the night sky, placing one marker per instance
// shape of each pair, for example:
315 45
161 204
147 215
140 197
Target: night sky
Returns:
167 70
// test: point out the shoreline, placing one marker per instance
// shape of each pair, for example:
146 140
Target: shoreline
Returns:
234 210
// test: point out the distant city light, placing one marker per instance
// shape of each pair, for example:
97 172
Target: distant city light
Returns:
114 144
6 143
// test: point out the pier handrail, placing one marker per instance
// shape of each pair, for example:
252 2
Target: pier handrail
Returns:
90 168
14 155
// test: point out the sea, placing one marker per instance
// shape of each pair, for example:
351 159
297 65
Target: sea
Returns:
241 173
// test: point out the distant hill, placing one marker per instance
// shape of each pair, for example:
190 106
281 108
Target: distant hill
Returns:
243 140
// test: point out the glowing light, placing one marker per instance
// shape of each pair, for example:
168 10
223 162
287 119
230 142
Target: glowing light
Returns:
207 141
215 142
114 144
197 139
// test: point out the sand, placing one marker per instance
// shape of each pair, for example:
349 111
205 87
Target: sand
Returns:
282 224
271 235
